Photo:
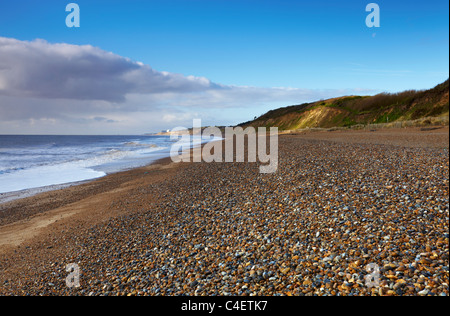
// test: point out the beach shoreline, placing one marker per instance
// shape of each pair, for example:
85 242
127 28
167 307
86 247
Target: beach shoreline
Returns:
47 198
18 195
145 207
32 191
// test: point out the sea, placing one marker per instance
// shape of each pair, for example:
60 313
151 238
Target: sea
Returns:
29 162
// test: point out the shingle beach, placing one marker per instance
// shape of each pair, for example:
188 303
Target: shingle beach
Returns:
340 203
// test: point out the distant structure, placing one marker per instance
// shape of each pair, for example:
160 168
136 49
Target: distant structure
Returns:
165 131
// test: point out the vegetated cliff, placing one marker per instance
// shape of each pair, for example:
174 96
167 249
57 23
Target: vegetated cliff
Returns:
352 110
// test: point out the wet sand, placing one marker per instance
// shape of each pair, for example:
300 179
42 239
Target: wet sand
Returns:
339 201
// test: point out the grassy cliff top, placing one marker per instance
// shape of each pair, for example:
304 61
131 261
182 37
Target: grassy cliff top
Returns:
352 110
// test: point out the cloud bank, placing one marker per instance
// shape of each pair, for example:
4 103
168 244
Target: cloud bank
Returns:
47 87
63 71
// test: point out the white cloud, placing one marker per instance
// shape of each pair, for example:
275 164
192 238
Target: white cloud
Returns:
48 87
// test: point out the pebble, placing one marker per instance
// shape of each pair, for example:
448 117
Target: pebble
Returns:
314 228
424 292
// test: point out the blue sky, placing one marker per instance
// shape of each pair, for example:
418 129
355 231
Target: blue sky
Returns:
315 45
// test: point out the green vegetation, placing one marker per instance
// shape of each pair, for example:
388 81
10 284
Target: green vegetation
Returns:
353 110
